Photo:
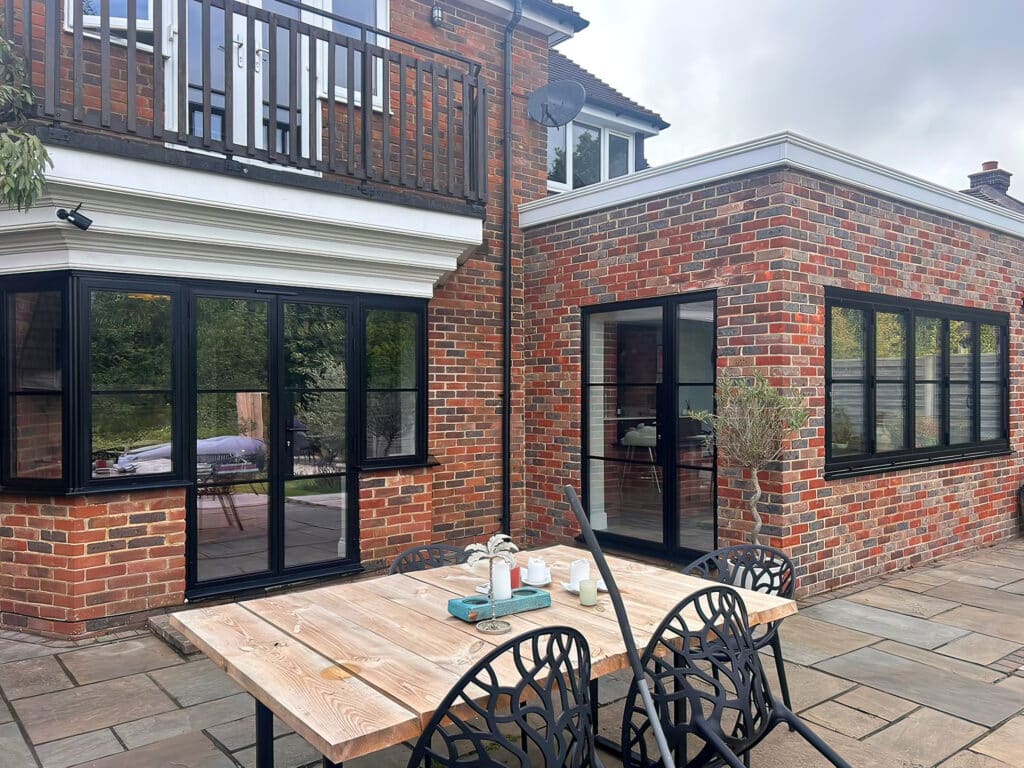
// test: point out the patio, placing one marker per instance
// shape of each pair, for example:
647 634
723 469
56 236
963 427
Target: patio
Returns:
920 668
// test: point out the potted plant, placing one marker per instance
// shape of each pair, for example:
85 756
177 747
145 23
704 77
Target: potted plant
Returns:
752 422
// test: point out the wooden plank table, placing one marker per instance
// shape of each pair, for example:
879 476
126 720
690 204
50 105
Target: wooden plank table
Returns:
357 667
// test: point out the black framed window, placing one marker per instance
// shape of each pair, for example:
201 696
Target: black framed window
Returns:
911 382
394 390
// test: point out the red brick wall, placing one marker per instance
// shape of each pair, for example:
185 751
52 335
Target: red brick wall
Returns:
465 317
87 564
769 244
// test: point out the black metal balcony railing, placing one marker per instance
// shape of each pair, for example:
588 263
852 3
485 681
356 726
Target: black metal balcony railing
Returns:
271 80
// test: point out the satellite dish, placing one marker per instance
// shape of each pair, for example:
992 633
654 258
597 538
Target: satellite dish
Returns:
556 103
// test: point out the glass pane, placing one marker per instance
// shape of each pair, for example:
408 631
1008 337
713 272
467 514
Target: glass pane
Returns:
847 343
625 346
320 433
556 154
233 430
961 414
314 520
848 433
695 338
391 349
315 340
36 441
118 8
231 336
231 525
618 156
928 415
131 434
130 344
626 499
991 411
991 354
890 416
696 510
390 424
928 348
890 346
961 348
586 155
36 327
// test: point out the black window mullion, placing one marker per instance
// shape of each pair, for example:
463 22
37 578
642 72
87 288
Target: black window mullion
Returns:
871 381
975 383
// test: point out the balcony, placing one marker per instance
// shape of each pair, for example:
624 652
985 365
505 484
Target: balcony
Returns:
273 83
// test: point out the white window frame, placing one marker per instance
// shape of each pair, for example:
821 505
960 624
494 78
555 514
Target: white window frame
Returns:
94 21
383 23
606 128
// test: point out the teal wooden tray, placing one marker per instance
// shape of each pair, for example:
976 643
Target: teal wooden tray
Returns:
478 607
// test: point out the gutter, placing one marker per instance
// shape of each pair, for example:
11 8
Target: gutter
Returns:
506 235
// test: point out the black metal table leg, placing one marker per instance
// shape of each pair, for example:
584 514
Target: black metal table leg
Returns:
264 737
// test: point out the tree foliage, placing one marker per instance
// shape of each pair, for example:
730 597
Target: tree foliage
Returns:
23 158
752 422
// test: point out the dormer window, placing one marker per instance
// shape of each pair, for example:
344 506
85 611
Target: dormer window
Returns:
594 153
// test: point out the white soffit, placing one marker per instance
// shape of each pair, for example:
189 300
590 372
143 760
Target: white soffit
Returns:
159 220
556 31
785 150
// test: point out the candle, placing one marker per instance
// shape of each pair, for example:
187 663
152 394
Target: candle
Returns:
517 576
501 580
588 592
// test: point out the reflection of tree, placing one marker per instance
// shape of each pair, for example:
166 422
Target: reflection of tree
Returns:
586 159
390 366
556 166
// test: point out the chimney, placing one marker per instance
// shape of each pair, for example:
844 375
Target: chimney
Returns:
991 175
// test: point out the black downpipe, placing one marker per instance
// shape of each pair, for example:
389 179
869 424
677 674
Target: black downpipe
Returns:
506 234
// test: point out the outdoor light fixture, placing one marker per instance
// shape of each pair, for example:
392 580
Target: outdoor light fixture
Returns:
437 15
73 216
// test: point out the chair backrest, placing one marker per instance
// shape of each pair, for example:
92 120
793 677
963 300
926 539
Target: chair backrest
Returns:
750 566
705 675
428 556
526 703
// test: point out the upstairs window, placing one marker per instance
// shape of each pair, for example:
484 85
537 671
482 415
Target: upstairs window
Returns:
912 382
581 154
117 10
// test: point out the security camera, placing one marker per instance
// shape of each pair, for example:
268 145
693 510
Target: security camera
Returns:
74 216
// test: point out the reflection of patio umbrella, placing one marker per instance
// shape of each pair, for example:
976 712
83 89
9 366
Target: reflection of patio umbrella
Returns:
224 445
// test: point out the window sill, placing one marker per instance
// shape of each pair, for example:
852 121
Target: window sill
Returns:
917 463
430 461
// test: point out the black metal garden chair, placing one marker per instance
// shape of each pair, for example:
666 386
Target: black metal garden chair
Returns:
711 693
426 556
539 718
761 569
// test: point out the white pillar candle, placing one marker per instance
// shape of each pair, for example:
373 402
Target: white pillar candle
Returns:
501 580
588 592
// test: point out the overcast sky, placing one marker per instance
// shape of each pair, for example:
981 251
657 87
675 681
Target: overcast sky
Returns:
929 87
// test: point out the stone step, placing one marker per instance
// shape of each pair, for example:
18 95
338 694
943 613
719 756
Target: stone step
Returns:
161 627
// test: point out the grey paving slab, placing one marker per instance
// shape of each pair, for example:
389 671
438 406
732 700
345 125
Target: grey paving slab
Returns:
950 693
176 722
783 749
928 576
14 752
846 720
30 677
909 585
242 732
968 759
1004 556
877 703
1017 588
90 707
965 669
195 682
1005 743
920 605
806 640
993 623
192 750
290 751
398 757
128 657
980 597
981 574
78 749
6 715
926 736
923 633
807 686
978 648
13 650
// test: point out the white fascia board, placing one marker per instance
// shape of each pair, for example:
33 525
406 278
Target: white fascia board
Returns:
159 220
605 118
556 31
781 150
